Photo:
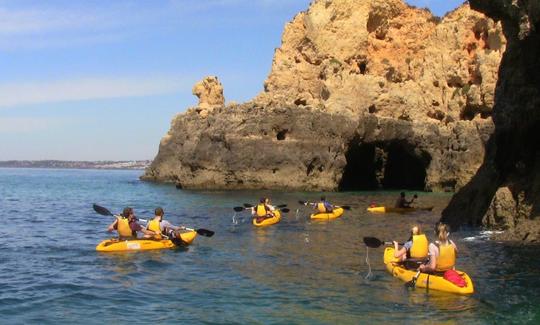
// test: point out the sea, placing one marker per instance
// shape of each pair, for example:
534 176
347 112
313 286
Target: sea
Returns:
295 272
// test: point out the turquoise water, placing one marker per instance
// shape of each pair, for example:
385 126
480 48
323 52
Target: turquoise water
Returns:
296 272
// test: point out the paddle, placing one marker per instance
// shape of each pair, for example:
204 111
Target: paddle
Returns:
105 212
412 284
344 207
283 209
247 205
375 242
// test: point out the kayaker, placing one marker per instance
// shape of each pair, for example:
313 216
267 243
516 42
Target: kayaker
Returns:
263 210
401 202
415 249
323 206
442 253
127 226
162 227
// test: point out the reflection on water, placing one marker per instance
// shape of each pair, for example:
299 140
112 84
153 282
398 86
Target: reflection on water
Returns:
296 271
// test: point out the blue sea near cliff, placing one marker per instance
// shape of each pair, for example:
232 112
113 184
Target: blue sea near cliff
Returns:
296 272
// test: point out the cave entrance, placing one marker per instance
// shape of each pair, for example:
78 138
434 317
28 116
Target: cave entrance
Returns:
404 169
393 165
361 170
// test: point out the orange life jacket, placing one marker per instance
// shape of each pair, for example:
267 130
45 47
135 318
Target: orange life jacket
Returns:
261 210
321 208
419 248
447 257
123 228
154 225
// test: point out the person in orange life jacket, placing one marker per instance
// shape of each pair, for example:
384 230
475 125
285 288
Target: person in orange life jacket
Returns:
162 227
442 253
263 210
416 248
127 226
401 202
323 206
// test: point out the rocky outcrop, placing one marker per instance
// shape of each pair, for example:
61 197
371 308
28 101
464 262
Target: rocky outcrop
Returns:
361 95
210 94
505 193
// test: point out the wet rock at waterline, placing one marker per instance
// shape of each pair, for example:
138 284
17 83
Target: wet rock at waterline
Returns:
362 95
505 192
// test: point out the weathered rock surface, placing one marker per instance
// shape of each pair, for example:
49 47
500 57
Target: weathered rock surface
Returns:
362 94
210 94
505 192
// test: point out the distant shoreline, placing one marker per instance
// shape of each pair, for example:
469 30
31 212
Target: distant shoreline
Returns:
66 164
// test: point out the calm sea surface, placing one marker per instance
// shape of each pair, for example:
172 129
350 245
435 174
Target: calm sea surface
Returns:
296 272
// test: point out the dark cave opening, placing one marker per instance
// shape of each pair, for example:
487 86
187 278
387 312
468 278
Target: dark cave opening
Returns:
383 166
403 169
360 172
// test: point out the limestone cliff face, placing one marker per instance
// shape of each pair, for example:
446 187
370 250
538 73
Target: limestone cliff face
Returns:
505 192
362 94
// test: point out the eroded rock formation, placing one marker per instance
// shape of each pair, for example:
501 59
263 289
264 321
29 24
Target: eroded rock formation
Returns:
505 193
362 94
210 94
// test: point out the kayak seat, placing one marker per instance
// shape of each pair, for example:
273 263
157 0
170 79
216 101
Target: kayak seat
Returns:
413 263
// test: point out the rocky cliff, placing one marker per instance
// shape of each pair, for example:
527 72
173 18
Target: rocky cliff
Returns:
505 192
361 95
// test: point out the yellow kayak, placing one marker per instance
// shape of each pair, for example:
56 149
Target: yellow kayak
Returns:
382 209
428 281
115 245
328 216
268 221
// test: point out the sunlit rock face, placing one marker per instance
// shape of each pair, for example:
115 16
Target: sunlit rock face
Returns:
361 95
505 192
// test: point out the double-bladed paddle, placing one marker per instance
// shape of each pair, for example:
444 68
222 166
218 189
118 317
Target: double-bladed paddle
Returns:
280 208
375 242
247 205
105 212
412 284
344 207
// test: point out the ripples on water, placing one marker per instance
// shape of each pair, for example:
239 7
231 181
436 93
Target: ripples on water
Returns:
294 272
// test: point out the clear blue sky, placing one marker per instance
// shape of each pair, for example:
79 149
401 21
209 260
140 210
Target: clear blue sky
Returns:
99 80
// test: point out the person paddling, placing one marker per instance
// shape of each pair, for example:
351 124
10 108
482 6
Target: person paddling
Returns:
402 202
415 249
161 227
263 210
442 253
127 226
322 206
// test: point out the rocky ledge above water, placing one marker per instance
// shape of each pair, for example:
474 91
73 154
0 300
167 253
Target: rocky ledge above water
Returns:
505 192
362 95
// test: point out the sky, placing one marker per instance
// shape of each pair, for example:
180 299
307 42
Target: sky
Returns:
102 80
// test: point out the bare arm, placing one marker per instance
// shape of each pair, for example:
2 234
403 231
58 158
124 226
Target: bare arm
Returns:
399 252
112 225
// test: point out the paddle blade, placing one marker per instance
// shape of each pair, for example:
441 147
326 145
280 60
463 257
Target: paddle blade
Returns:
372 242
247 205
412 284
302 202
205 232
281 206
101 210
345 207
239 209
284 210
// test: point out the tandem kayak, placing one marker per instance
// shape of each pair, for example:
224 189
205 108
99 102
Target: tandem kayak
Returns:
116 245
338 212
268 221
425 280
383 209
